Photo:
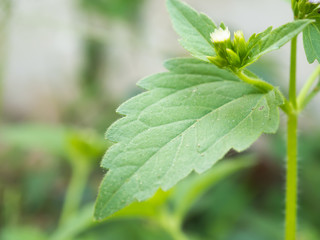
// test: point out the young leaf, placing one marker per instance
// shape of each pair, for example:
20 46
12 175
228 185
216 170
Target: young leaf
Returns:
311 41
189 118
194 29
272 40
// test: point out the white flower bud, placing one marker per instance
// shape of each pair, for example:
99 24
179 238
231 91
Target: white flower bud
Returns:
238 34
314 1
220 35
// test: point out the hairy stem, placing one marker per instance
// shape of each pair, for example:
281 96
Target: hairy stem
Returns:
291 184
286 106
303 95
291 180
293 64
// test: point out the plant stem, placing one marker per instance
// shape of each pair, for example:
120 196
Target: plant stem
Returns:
302 98
79 176
172 225
310 96
255 81
291 184
293 64
286 106
291 180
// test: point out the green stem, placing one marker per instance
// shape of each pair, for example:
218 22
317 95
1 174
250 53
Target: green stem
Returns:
286 106
79 176
255 81
291 184
291 180
172 225
77 223
302 98
310 96
293 64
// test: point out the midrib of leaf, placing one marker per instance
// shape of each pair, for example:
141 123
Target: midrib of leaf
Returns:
186 88
179 90
219 108
176 91
220 139
213 78
193 26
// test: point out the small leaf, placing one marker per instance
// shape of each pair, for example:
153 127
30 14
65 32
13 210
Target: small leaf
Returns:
189 118
194 29
272 40
311 41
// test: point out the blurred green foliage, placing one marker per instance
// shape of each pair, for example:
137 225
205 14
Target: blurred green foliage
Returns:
125 9
246 205
166 210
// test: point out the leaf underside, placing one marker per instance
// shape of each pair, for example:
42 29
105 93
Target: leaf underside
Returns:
311 41
189 118
194 29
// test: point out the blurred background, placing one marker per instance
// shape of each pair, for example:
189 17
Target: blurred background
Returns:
65 66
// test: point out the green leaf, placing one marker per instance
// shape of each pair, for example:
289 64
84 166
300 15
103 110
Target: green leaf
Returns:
311 41
194 29
190 118
269 40
183 195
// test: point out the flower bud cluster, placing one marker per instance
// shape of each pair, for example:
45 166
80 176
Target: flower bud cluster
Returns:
229 54
306 9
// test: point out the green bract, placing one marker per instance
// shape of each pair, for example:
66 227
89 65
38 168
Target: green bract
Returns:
238 54
305 9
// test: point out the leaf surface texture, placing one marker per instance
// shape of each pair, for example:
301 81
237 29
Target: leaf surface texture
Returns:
187 120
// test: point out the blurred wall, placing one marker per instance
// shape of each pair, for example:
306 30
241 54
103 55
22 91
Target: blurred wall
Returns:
44 48
42 58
